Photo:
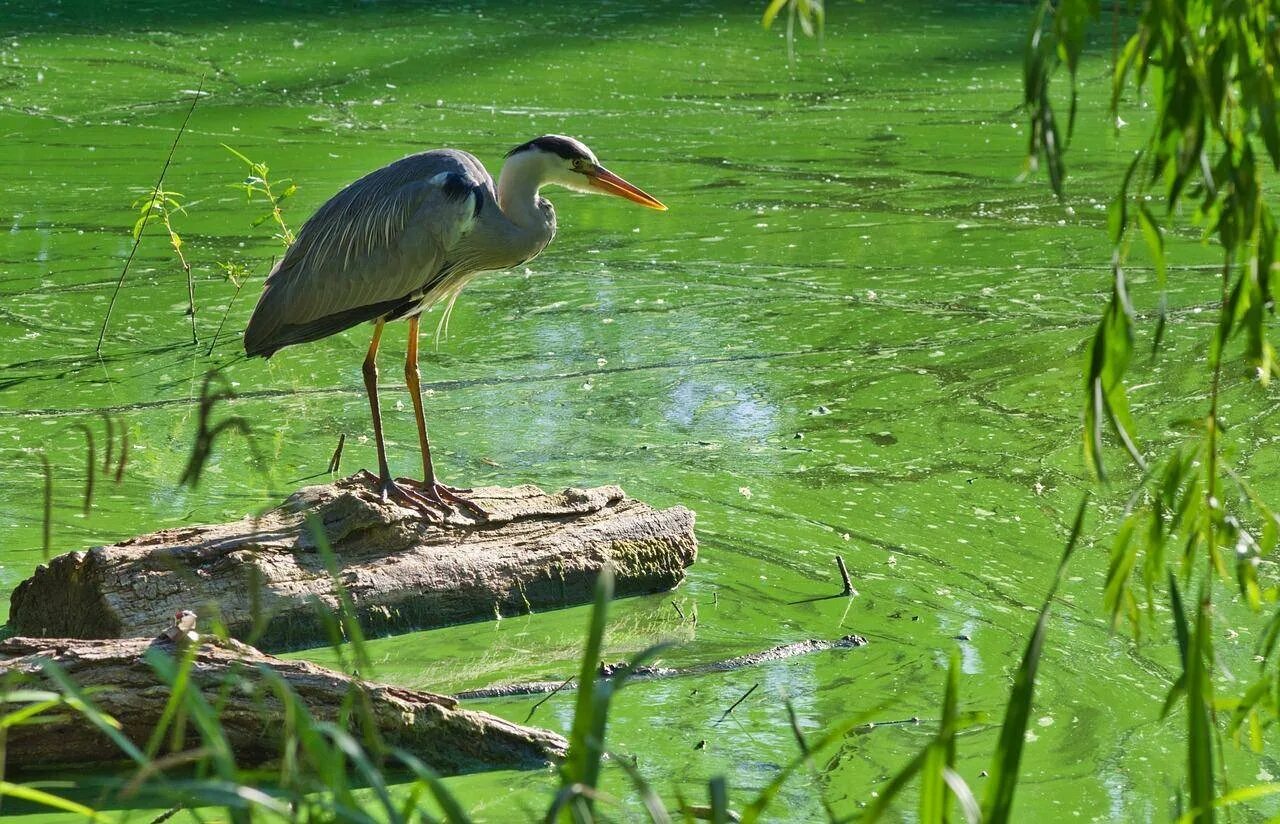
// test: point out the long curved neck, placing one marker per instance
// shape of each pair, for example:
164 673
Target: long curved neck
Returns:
518 183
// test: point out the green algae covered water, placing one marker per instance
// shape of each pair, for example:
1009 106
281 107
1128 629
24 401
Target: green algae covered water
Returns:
856 332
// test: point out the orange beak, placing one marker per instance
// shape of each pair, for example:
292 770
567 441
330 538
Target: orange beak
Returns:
609 183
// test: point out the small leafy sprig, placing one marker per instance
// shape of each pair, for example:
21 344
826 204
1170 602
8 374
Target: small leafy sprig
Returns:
811 14
237 273
137 233
162 205
258 185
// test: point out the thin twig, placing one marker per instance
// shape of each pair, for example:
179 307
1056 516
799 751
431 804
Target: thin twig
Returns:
863 729
844 577
155 192
739 701
795 729
679 611
167 814
547 697
239 285
176 242
225 312
336 461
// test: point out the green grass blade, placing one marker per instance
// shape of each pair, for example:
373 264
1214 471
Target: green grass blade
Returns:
1237 796
998 802
177 694
45 799
206 720
968 803
239 799
328 763
940 755
895 786
207 724
78 700
246 160
1200 739
348 618
582 766
602 696
1183 634
719 793
453 812
35 703
356 754
771 12
1154 240
652 802
24 696
752 812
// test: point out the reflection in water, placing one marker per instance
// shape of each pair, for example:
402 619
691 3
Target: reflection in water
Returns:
721 408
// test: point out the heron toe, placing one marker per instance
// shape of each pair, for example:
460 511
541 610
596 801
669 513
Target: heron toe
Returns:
450 498
435 511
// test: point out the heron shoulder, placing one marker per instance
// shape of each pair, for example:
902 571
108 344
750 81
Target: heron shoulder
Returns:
430 164
457 187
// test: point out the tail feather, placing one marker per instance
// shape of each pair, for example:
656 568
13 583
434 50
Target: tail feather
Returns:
261 341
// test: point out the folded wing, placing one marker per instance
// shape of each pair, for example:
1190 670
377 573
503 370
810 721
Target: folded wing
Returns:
373 249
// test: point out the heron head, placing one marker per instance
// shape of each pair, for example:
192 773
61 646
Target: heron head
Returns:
567 162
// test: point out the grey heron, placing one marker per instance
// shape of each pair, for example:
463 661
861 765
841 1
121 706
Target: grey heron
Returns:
408 236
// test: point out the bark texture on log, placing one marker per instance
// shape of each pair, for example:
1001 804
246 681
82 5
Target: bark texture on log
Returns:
263 578
124 685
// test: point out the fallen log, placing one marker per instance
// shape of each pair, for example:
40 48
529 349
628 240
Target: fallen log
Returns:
264 579
753 659
124 685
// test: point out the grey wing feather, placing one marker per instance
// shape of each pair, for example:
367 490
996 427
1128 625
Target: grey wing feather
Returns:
369 249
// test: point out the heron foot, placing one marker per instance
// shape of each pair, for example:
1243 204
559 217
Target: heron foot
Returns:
451 497
401 494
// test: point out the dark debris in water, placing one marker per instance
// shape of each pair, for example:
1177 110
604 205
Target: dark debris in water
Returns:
609 670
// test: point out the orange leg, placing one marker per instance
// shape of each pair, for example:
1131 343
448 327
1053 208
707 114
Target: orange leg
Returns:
432 489
389 489
412 379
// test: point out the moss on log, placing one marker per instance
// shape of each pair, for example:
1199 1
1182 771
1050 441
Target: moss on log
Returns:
264 579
